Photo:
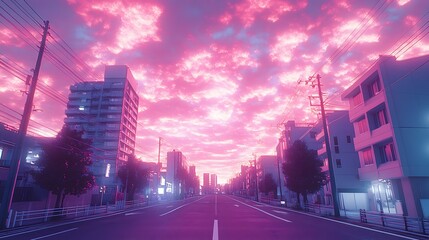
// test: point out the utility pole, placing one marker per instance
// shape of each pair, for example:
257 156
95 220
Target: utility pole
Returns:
256 178
280 182
158 174
327 144
17 153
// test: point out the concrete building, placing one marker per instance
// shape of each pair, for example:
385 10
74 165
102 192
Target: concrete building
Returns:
213 183
177 168
206 183
269 164
351 192
107 113
389 111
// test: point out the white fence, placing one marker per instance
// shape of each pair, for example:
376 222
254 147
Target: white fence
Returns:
20 218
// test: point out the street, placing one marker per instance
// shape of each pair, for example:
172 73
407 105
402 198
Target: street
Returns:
206 217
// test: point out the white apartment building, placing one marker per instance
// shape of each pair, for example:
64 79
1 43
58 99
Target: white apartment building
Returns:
107 113
389 109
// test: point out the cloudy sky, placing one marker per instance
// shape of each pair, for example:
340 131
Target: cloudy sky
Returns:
216 78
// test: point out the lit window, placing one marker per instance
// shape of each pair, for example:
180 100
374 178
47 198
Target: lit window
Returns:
81 108
1 153
388 153
367 157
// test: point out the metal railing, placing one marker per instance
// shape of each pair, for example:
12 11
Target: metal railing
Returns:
395 221
20 218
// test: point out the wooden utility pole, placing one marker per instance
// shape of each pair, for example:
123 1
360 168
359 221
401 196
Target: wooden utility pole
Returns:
22 131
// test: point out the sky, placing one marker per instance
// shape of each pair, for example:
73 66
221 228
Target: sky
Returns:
216 79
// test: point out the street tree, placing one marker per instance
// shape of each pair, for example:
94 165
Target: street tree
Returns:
267 185
64 165
133 176
302 170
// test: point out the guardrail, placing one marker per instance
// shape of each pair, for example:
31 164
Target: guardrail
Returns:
395 221
20 218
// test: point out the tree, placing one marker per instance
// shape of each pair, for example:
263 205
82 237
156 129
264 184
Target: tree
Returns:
133 176
267 184
302 170
64 165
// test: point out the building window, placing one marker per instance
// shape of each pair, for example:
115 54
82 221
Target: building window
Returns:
338 163
335 140
362 126
349 139
337 149
380 118
367 157
374 88
81 108
388 153
356 99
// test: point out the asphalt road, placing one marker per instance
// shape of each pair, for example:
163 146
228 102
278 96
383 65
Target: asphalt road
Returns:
208 217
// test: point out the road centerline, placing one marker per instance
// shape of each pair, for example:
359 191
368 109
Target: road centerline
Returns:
215 230
54 234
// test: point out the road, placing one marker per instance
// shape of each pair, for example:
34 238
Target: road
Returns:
207 217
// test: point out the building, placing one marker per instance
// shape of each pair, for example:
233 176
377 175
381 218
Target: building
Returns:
389 111
269 164
213 183
351 191
177 169
206 183
107 113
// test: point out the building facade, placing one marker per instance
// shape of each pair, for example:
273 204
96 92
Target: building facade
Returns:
389 111
107 114
351 191
177 168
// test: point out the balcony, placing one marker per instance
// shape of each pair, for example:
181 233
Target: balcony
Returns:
322 150
367 139
362 109
320 136
368 173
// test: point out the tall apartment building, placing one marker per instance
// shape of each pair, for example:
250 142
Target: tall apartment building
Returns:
389 110
176 165
107 113
213 182
206 183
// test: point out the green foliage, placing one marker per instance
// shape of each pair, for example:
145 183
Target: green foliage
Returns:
302 170
64 165
133 176
268 184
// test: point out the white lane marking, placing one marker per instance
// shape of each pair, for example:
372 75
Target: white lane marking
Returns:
349 224
133 213
53 234
215 230
236 205
215 205
180 207
269 214
282 212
